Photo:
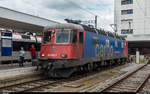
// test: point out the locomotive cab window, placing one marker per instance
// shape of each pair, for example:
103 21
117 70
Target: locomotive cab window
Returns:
47 37
73 36
62 36
81 37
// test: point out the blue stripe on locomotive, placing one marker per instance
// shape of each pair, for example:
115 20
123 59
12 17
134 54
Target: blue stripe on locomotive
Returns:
89 49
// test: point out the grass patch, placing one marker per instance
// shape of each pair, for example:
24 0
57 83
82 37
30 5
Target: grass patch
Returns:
142 61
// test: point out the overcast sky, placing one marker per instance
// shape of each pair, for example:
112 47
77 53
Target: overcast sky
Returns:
58 10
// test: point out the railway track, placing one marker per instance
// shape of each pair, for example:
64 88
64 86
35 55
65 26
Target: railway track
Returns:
37 85
11 82
135 81
29 86
146 87
41 85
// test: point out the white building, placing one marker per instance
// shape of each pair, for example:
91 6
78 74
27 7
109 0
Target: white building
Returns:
132 18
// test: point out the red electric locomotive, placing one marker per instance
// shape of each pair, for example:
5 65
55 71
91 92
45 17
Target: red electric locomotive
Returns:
67 48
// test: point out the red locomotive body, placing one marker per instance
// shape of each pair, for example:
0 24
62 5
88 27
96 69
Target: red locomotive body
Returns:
125 47
61 44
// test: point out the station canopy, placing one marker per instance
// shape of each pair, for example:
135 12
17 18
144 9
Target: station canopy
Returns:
22 22
19 26
139 44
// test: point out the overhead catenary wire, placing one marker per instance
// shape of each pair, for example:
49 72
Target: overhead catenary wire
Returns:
80 7
109 9
104 18
85 11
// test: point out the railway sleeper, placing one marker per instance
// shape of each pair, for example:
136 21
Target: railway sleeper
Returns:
60 73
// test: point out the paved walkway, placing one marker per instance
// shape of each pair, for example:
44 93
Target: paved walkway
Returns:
16 71
15 65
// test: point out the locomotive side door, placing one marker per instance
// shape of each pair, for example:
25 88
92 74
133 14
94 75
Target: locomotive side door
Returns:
80 46
77 42
74 41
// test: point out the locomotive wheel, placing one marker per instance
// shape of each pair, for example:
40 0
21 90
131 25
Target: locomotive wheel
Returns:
104 64
120 62
60 73
90 67
95 66
85 68
81 69
125 61
109 64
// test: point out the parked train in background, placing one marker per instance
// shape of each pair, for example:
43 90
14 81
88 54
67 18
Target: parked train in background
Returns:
19 40
67 48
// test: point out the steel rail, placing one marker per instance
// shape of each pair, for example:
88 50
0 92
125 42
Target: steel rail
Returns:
142 84
128 75
37 87
3 88
22 77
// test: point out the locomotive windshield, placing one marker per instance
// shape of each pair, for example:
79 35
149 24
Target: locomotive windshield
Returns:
47 37
62 36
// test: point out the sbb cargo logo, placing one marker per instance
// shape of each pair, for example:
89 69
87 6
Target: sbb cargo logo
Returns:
101 50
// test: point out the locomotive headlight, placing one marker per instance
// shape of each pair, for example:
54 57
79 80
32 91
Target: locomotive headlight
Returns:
43 55
63 55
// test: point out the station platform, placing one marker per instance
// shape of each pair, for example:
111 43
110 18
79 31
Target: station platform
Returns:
14 65
13 70
16 75
16 71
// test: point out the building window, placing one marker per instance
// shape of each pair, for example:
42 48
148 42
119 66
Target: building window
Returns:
124 36
127 31
129 11
125 2
127 20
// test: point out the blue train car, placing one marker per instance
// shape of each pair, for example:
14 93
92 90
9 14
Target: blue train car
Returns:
96 45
